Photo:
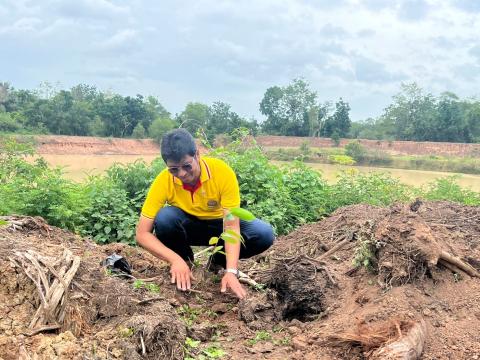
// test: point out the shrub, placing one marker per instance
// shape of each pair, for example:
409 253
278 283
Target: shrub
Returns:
135 178
356 151
110 216
447 188
374 188
341 160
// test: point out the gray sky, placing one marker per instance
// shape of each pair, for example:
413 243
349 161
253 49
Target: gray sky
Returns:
232 51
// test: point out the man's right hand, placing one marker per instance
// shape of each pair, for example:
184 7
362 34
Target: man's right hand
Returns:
181 274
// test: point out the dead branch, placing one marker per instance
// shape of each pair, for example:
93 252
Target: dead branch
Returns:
337 247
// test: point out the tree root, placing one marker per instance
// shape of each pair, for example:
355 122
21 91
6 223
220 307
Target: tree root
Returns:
448 260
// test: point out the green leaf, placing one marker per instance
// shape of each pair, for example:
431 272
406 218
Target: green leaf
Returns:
242 214
107 229
217 249
229 238
213 241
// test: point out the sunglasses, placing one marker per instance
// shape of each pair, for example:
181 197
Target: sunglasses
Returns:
174 170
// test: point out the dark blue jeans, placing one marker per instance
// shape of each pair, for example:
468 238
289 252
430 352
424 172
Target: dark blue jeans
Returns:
178 231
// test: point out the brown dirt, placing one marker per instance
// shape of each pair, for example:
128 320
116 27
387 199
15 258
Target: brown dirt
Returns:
310 300
61 144
392 147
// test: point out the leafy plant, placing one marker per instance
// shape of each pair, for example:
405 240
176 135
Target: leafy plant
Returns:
261 335
230 236
341 159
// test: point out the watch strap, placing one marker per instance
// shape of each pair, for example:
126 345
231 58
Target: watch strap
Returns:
233 271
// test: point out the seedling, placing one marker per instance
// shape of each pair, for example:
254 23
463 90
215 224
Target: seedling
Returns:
126 332
230 236
261 335
213 352
140 284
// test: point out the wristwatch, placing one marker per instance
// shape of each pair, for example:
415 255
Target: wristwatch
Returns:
233 271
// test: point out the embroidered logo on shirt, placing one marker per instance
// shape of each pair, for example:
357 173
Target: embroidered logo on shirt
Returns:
212 204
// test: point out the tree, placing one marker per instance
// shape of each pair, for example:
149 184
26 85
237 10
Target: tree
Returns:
194 117
222 120
287 109
138 132
412 114
160 127
339 122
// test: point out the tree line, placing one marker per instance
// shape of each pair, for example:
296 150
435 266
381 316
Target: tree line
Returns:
291 110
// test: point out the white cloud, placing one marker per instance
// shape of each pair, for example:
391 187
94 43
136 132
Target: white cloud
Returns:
209 50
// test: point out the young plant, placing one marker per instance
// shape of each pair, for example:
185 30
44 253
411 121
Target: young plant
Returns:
231 236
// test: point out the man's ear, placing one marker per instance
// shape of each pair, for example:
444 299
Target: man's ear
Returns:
197 153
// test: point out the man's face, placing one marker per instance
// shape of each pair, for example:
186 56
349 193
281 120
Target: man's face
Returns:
187 169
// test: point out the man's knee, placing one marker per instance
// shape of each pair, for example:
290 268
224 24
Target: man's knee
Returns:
264 234
168 220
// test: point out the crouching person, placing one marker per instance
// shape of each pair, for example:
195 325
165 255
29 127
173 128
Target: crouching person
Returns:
198 191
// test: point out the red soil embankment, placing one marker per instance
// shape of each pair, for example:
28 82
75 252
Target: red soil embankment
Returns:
52 144
69 145
394 147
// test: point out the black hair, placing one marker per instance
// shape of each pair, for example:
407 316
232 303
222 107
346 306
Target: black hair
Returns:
176 144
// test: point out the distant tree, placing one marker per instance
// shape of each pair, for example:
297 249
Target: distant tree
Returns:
412 114
339 122
287 109
194 117
159 127
222 120
139 131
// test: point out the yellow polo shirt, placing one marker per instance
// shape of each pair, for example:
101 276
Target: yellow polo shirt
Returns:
218 190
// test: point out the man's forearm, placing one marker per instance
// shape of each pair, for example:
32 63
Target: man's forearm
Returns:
232 251
149 242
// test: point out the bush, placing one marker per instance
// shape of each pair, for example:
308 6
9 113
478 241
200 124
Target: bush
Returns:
447 188
36 190
341 160
356 151
376 188
135 179
110 216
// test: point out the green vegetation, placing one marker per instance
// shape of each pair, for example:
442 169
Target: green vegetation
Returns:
292 110
106 207
377 158
261 335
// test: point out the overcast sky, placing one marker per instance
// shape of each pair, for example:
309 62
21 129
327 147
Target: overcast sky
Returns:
232 51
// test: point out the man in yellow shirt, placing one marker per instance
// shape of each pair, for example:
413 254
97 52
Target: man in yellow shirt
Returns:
199 192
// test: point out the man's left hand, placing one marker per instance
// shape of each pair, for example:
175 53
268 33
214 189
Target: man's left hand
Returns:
230 281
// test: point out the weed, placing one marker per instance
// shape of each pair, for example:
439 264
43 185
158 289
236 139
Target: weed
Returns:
140 284
189 315
213 352
261 335
126 332
285 341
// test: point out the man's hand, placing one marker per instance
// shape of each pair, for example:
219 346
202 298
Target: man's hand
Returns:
230 281
181 274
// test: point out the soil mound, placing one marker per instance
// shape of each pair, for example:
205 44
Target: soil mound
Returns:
367 282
